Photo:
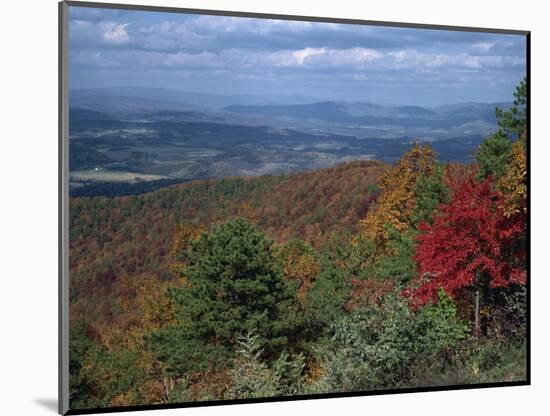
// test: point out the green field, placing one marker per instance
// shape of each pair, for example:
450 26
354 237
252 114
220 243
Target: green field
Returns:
104 175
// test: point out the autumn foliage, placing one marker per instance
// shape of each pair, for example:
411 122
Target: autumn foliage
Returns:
143 236
300 264
513 184
472 241
396 204
356 277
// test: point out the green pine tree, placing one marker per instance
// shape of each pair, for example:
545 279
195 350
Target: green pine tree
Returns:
234 285
430 191
494 153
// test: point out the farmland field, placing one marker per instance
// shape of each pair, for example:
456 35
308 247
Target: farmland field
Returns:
112 176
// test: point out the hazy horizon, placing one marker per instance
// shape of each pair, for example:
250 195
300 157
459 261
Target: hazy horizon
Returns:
290 96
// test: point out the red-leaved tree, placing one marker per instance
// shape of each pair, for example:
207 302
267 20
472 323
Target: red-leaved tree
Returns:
471 243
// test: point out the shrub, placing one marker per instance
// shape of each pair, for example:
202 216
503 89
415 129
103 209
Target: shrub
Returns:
380 347
254 378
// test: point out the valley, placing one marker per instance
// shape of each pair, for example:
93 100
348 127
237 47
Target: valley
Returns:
125 140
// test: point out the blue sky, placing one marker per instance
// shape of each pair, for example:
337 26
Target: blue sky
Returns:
234 55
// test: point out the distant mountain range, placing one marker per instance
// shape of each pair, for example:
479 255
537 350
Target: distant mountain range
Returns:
375 115
160 98
152 98
157 102
145 134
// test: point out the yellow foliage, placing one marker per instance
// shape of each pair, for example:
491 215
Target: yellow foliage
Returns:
514 182
314 372
246 211
123 399
153 391
299 264
396 202
145 307
184 235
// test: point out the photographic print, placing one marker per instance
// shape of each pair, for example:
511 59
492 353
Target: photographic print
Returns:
272 207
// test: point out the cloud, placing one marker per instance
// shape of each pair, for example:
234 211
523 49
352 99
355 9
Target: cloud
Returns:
324 57
421 60
301 55
86 35
213 51
483 47
308 63
115 32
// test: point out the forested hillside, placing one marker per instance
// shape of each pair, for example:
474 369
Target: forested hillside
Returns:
359 277
133 236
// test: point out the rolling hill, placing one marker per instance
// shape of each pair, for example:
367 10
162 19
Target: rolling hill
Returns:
375 115
132 236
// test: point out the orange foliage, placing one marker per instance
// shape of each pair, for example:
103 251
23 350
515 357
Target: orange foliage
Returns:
300 264
134 235
514 182
396 202
183 236
368 292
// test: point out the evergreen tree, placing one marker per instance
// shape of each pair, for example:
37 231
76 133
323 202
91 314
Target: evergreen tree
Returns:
494 153
324 301
513 123
430 191
234 285
400 266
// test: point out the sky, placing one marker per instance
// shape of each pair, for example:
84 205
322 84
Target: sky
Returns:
268 57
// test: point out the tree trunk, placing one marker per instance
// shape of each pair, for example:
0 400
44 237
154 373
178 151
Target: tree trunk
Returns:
477 328
166 390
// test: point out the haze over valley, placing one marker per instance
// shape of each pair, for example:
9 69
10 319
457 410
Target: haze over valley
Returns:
135 135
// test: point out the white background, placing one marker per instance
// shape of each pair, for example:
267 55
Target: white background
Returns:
28 207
